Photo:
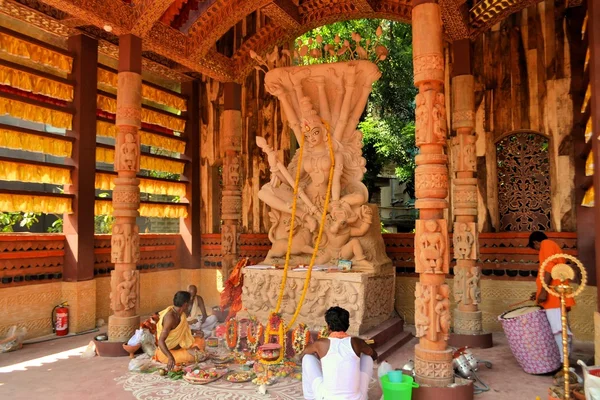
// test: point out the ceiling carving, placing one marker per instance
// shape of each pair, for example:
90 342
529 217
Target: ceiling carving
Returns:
181 35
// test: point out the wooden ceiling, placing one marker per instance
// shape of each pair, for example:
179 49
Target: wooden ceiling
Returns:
180 36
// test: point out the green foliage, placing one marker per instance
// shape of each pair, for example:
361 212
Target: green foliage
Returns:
57 226
388 124
25 220
103 224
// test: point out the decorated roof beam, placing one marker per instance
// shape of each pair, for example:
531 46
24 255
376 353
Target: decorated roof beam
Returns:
455 15
212 24
487 13
284 13
149 13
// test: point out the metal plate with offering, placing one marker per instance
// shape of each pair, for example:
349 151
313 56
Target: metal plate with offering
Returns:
240 376
221 358
204 376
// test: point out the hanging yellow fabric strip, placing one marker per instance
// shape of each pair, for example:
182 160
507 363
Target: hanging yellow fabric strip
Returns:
588 130
29 112
104 207
106 182
106 129
589 164
35 53
18 140
148 116
155 95
107 156
586 99
588 198
22 172
35 204
35 84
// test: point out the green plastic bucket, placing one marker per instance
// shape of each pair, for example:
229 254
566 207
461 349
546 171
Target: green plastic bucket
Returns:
398 391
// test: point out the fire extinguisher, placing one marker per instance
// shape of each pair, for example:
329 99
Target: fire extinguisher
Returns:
60 319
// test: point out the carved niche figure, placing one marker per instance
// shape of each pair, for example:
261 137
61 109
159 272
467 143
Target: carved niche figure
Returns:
421 118
322 104
342 230
422 300
432 248
464 241
317 299
117 244
344 295
442 311
439 118
232 177
125 291
459 284
473 285
227 239
129 153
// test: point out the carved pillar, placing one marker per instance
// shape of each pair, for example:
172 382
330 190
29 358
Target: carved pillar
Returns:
231 206
433 358
467 291
125 241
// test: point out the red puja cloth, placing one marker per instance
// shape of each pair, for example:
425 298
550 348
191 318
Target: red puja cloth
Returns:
232 294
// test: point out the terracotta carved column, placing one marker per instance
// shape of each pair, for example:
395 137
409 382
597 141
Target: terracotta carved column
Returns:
467 292
433 358
125 241
231 206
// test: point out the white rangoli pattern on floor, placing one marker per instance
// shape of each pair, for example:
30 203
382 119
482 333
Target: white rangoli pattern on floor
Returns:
155 387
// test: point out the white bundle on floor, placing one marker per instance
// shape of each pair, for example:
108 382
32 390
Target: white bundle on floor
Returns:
591 383
383 370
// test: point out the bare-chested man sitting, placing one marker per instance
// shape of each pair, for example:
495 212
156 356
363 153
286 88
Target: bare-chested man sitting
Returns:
176 345
197 317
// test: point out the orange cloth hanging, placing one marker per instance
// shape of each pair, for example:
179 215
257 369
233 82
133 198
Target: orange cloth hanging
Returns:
232 294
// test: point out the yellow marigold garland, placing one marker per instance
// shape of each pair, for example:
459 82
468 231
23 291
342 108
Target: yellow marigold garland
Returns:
300 338
292 223
280 332
319 236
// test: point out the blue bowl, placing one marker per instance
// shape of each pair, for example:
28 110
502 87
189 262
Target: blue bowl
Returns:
395 376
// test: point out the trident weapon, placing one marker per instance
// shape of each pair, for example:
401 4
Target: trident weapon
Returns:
564 273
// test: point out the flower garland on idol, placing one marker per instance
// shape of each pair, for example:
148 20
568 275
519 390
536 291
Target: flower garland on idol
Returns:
254 331
231 333
300 338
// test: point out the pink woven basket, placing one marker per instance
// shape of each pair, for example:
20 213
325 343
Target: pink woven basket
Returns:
531 340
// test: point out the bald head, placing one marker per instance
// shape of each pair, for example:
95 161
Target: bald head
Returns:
193 290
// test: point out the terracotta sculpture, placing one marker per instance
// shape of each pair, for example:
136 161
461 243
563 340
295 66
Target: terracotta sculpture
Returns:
322 103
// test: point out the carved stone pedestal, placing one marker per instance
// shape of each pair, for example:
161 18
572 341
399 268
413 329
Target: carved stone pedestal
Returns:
368 297
121 329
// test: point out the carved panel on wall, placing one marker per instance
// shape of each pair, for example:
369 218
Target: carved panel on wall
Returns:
524 197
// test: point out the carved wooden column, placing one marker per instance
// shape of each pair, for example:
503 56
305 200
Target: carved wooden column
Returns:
433 358
125 242
231 206
468 329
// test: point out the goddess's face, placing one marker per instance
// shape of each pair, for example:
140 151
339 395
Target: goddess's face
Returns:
314 136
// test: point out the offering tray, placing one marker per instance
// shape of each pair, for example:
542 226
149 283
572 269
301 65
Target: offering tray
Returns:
221 358
204 376
240 376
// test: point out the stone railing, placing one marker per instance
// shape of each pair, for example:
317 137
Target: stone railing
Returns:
27 258
157 252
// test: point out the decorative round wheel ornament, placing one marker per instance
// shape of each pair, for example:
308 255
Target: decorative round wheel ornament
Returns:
231 333
563 273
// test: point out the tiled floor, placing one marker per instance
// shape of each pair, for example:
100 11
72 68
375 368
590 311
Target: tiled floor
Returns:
54 370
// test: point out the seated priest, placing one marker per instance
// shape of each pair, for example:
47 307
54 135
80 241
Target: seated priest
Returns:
338 367
197 317
176 345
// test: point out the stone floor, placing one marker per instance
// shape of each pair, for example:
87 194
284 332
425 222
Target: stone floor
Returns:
54 370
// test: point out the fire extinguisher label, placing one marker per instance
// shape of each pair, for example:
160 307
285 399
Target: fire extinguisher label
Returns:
61 321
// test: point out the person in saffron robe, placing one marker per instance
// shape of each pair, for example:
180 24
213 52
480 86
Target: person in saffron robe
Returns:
551 304
198 319
340 366
176 345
